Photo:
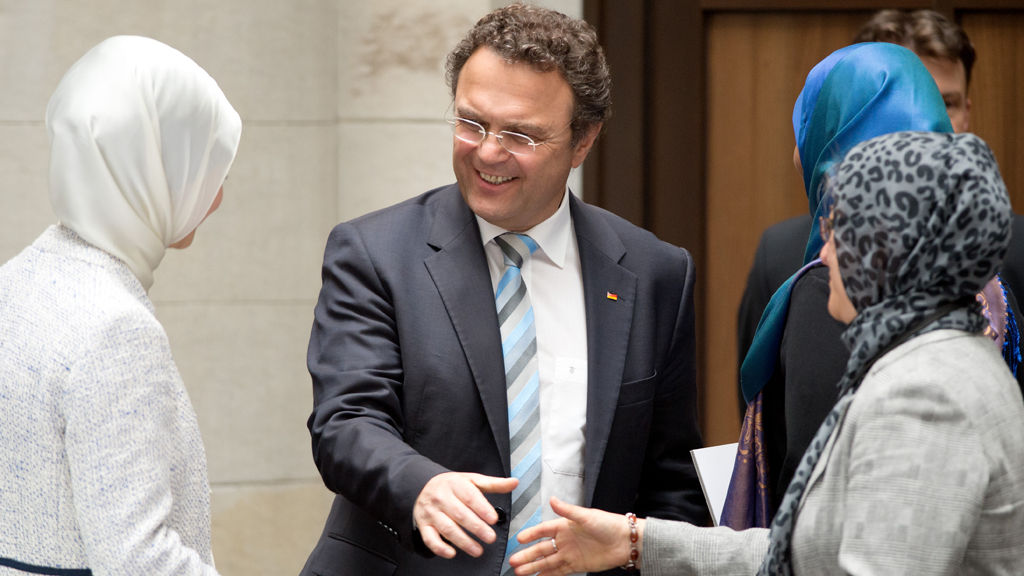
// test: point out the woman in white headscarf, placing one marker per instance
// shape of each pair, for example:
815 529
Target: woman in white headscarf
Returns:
102 469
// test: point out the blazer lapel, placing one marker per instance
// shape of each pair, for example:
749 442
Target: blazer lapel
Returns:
459 271
608 327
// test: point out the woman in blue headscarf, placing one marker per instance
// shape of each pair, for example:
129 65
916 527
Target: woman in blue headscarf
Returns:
853 95
857 93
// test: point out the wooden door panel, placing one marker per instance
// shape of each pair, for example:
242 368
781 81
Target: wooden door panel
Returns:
997 92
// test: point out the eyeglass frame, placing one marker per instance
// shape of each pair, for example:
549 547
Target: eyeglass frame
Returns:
826 224
500 135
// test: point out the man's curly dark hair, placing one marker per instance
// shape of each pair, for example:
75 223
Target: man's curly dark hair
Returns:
926 32
546 40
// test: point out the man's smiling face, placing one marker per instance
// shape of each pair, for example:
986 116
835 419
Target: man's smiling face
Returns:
515 192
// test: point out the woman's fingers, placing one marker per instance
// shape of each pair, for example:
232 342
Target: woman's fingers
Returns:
565 510
541 558
543 530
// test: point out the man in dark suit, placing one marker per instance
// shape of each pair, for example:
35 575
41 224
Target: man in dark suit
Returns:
949 55
490 344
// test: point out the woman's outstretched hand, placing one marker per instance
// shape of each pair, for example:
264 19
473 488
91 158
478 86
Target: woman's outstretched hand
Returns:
585 540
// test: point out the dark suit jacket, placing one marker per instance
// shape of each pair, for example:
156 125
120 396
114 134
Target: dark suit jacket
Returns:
408 378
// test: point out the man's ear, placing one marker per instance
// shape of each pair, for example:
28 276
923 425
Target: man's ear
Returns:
967 115
583 148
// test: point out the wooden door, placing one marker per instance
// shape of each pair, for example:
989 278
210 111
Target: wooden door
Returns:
997 92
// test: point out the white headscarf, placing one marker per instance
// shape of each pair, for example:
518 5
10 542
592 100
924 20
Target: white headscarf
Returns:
141 139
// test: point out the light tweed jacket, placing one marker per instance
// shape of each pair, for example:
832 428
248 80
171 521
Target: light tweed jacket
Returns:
101 463
924 475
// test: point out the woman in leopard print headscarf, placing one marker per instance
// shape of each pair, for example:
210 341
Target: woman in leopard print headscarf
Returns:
919 468
921 224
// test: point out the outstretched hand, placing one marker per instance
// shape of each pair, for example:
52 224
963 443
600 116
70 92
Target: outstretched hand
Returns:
454 501
586 540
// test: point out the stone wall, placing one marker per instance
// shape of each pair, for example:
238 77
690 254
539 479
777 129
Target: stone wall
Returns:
342 104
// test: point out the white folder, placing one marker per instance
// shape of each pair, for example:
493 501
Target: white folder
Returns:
714 468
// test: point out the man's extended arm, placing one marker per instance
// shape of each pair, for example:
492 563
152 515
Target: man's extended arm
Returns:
356 364
357 424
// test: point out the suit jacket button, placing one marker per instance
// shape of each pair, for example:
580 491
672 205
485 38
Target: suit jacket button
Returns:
502 515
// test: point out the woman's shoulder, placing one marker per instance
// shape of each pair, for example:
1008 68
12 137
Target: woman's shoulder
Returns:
811 332
952 389
811 285
951 369
808 300
113 314
68 285
945 356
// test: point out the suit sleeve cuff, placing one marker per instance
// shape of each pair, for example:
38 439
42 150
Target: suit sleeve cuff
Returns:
417 474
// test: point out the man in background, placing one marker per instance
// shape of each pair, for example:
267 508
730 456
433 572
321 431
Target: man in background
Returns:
499 327
949 56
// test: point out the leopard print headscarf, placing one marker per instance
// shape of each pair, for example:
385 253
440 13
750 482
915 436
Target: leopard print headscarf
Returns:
922 222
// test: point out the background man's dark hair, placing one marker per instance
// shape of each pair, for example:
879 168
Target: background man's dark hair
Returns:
926 32
546 40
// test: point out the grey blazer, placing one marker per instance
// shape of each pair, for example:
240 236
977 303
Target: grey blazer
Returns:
924 475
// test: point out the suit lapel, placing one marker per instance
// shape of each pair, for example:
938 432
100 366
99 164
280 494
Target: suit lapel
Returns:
459 271
608 327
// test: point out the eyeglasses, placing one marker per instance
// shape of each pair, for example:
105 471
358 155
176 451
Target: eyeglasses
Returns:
826 223
519 144
825 227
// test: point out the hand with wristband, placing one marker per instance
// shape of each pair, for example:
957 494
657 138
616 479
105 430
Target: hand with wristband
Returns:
582 540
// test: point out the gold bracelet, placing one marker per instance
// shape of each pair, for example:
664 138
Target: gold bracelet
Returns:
634 553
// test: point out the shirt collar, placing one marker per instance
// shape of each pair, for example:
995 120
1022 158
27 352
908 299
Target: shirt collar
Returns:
551 235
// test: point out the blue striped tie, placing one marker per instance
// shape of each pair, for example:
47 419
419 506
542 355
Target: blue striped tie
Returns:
522 386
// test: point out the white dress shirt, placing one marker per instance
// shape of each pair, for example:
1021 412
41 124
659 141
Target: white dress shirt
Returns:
554 283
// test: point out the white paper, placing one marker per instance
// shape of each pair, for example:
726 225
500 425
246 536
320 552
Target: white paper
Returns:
714 468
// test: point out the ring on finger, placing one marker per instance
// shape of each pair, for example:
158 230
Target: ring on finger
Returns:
554 546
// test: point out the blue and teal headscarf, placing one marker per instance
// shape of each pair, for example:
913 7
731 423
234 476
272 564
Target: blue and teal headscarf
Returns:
855 94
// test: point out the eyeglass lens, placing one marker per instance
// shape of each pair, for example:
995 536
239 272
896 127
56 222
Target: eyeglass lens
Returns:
825 227
473 133
825 223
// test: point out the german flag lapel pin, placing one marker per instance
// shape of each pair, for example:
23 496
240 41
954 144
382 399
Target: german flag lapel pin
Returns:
612 296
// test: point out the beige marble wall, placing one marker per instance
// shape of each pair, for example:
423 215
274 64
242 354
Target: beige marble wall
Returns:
342 104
